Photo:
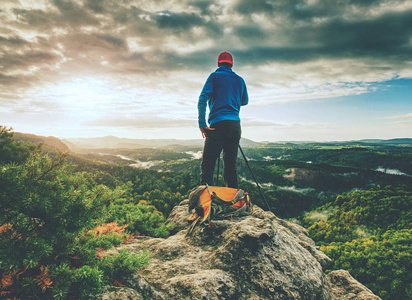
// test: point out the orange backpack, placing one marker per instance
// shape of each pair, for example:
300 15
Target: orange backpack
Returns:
213 202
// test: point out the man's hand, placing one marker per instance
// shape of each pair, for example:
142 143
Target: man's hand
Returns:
205 130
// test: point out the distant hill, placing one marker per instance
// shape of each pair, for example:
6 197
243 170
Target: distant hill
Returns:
116 142
70 145
370 141
400 141
291 142
126 143
249 143
130 146
397 141
49 142
79 144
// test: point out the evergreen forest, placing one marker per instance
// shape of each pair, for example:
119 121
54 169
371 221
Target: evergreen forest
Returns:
62 206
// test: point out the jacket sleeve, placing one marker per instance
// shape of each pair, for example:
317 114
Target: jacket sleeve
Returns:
245 96
205 95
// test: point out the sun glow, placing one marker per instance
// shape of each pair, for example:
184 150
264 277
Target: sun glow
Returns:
84 92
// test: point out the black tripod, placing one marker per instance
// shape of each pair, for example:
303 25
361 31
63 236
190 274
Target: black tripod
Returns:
251 172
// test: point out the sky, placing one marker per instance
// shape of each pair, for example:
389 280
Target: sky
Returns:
315 70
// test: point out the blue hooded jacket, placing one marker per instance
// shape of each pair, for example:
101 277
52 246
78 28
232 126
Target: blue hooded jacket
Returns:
225 92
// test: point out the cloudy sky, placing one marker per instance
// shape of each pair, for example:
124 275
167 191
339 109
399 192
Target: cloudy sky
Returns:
315 69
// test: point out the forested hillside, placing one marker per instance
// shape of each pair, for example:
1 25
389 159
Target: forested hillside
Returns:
56 220
369 233
60 210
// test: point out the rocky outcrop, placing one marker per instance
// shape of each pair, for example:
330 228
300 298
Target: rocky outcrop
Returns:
343 286
254 257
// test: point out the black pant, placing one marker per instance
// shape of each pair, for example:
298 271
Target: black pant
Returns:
225 137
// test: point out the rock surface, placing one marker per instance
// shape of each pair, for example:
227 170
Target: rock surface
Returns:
254 257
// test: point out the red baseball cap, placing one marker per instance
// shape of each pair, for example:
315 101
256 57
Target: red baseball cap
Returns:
225 57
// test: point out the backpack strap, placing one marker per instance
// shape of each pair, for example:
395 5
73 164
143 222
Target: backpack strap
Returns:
239 196
213 206
194 196
192 226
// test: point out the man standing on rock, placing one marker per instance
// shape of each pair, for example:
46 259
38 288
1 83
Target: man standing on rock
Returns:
225 92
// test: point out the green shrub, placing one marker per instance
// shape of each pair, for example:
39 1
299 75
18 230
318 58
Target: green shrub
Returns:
140 218
119 266
12 150
46 210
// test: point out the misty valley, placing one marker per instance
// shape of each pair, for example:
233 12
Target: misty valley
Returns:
294 176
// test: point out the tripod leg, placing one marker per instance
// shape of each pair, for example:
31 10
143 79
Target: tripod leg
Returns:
253 175
217 175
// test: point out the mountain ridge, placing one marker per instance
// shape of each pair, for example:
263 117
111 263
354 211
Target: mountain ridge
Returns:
116 142
49 141
110 141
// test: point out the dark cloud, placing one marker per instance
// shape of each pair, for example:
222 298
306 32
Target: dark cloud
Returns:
14 40
65 6
6 80
154 26
249 33
367 3
165 61
73 14
264 55
70 15
168 19
134 37
384 35
207 58
183 23
113 40
97 6
35 19
206 7
127 15
247 7
301 9
23 61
